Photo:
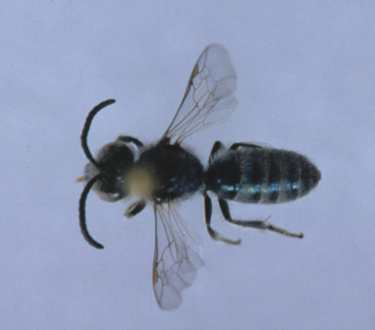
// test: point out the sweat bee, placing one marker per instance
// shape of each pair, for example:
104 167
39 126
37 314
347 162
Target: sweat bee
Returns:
165 173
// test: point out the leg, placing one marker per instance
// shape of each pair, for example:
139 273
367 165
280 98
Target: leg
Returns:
245 145
130 139
217 146
135 208
208 212
258 224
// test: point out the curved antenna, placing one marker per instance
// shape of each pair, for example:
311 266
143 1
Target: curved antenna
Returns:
86 129
82 213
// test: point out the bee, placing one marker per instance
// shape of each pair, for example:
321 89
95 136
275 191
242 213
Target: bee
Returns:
165 173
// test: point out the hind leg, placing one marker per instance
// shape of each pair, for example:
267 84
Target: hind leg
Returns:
258 224
215 149
235 146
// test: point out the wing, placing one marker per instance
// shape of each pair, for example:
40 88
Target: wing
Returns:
176 259
208 98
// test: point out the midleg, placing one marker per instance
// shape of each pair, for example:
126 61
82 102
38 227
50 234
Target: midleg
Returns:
213 233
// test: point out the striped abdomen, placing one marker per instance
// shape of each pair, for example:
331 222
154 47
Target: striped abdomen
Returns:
261 175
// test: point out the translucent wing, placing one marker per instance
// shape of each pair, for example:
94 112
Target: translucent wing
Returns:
177 257
208 97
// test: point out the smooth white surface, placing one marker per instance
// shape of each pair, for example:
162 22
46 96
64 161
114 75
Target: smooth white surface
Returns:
306 78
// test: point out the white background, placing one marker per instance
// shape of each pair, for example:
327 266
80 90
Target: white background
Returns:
306 78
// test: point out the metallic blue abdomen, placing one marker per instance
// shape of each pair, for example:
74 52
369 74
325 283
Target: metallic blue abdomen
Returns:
261 175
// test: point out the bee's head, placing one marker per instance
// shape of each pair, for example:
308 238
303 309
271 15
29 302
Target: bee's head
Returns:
113 162
105 173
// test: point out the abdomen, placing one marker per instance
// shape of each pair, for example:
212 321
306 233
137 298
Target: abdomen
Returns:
261 175
274 176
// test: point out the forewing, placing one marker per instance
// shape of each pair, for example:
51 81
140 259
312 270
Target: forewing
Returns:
208 98
177 257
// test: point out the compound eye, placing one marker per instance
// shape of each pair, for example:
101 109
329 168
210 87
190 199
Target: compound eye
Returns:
111 196
115 194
